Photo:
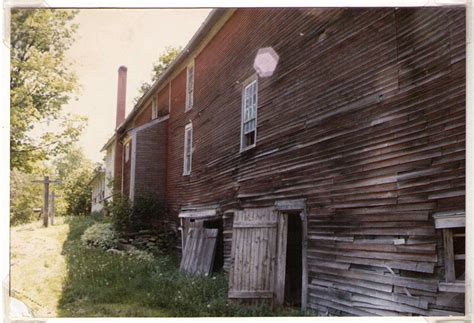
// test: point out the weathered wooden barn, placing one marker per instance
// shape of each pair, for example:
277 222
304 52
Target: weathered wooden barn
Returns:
337 183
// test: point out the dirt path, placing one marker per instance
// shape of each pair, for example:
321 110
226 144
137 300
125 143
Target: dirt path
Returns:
37 267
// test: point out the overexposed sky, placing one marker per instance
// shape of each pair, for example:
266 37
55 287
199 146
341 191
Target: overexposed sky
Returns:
108 38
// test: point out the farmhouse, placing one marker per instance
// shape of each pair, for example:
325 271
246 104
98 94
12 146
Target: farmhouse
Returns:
98 185
323 149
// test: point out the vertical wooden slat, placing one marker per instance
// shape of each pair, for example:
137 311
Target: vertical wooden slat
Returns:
198 255
280 267
254 251
449 255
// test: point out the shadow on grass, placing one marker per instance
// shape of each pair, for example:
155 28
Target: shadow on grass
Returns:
102 284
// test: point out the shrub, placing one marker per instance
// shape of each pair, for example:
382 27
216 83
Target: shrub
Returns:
166 239
140 255
121 209
146 209
97 216
101 235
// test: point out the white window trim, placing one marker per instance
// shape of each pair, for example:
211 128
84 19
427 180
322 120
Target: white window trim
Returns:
188 127
127 150
246 84
188 68
154 107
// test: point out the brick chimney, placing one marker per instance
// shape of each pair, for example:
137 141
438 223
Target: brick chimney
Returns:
121 95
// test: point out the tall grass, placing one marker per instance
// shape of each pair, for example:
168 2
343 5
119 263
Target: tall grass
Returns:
103 284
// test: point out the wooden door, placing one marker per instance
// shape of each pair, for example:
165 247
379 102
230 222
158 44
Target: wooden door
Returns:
199 251
254 253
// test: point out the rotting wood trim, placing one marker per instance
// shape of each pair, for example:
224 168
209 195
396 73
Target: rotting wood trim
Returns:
251 225
454 287
198 213
251 294
290 205
452 221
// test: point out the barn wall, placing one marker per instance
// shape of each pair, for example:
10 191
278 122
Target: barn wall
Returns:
143 117
150 169
364 117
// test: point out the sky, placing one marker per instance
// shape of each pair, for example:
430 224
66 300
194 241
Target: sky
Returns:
109 38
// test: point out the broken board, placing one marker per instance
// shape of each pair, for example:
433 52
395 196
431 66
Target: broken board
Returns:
198 255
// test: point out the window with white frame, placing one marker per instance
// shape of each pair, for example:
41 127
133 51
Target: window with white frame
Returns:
127 151
154 107
249 115
188 149
189 86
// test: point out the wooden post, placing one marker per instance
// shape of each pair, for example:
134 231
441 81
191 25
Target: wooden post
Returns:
46 200
52 207
282 236
46 183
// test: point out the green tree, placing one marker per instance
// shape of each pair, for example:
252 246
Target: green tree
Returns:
75 171
25 196
41 82
164 60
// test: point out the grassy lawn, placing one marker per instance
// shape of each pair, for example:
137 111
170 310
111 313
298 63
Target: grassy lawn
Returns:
56 275
37 267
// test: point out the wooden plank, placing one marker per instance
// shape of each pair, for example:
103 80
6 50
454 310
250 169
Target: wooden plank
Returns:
449 270
366 301
280 267
402 299
425 284
250 294
388 288
290 205
452 287
250 224
454 221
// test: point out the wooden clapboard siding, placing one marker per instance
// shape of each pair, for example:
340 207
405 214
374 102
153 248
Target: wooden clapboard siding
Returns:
364 117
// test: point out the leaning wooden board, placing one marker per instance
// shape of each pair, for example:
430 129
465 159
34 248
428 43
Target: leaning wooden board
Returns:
198 255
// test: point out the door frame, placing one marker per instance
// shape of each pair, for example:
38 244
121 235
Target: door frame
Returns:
283 207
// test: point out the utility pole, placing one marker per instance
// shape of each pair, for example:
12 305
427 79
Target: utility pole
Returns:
46 183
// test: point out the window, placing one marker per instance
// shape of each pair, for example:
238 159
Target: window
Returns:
189 86
249 116
127 151
188 149
154 107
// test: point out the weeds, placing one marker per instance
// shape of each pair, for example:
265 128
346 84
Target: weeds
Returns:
104 284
